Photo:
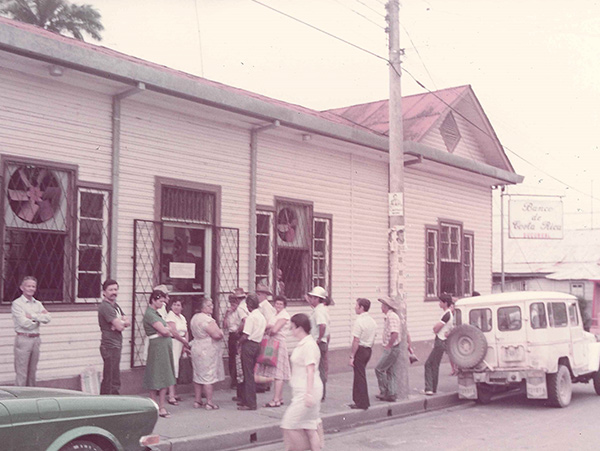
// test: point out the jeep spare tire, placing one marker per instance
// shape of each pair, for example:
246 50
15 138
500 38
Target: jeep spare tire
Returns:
466 346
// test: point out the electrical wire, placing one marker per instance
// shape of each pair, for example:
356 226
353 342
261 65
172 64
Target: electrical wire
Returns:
368 7
359 14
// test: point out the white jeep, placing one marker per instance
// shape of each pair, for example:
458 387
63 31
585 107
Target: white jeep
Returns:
534 340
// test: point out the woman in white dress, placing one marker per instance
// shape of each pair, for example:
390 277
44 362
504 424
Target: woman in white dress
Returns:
207 355
178 326
278 327
301 419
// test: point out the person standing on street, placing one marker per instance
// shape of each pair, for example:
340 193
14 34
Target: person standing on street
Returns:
363 334
252 335
319 322
265 307
441 330
232 322
112 322
27 314
387 367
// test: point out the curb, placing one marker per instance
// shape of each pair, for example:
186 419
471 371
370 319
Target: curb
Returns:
333 422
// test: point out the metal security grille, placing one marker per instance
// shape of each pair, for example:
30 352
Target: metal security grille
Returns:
187 205
151 269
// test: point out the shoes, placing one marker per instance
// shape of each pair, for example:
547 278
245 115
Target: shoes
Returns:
386 398
354 406
235 398
429 392
380 397
173 401
274 404
198 405
211 406
164 413
246 408
412 358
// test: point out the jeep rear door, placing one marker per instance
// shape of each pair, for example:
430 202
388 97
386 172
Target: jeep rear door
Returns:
579 343
511 337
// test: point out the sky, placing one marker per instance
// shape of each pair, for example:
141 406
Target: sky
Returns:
534 66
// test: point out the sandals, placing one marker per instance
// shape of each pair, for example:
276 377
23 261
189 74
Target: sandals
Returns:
211 406
198 405
173 401
164 414
274 404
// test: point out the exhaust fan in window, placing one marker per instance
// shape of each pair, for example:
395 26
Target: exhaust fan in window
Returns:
36 198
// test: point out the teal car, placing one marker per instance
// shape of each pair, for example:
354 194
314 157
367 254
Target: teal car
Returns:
34 418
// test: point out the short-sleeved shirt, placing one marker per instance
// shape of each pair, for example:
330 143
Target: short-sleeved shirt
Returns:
305 353
365 329
255 326
107 312
446 318
391 325
320 315
150 317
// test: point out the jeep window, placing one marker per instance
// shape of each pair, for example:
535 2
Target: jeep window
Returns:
481 318
557 311
509 318
537 315
457 317
573 318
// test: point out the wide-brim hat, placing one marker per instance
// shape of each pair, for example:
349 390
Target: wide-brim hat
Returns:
319 292
239 293
390 302
262 288
162 288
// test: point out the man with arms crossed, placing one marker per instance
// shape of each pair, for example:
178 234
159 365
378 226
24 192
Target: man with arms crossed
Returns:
112 322
27 313
387 367
363 334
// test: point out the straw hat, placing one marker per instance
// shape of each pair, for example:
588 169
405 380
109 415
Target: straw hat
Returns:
319 292
391 303
262 288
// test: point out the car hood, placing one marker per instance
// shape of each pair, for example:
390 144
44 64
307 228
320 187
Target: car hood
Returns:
37 392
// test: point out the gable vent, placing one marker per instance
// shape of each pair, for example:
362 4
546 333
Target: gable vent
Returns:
449 132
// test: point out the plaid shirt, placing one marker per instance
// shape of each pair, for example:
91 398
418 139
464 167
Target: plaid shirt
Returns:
391 325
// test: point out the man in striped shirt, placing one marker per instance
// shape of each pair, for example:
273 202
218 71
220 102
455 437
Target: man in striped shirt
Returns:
387 367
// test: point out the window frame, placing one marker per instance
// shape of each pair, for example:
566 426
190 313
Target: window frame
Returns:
328 220
70 302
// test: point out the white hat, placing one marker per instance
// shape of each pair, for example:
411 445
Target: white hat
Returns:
319 292
162 288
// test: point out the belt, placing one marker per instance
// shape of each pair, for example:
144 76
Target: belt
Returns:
150 337
28 335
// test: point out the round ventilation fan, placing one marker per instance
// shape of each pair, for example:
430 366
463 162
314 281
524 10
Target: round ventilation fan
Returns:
34 194
287 223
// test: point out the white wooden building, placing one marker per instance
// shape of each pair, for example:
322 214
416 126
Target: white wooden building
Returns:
114 166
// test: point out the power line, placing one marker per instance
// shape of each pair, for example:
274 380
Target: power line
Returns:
359 14
368 7
419 55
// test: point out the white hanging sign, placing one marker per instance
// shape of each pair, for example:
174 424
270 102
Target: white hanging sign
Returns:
396 204
535 217
178 270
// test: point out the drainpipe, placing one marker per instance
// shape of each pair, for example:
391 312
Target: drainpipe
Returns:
253 169
116 159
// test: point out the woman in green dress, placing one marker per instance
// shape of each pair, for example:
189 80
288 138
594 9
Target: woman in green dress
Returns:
159 374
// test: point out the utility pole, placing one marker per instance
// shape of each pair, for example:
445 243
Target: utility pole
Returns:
396 230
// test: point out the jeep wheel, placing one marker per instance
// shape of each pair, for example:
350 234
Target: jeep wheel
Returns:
484 393
596 380
559 387
466 346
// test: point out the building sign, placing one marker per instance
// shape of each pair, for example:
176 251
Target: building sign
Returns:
179 270
396 204
536 217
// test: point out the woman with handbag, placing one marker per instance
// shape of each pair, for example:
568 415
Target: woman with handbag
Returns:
207 354
178 327
159 374
301 421
278 329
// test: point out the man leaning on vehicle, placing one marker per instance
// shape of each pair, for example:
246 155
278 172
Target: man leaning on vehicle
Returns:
112 322
27 313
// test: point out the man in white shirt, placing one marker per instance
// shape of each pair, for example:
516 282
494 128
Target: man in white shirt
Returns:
265 307
27 313
252 335
319 328
232 322
441 329
386 369
363 334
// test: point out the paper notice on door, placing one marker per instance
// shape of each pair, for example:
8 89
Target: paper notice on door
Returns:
178 270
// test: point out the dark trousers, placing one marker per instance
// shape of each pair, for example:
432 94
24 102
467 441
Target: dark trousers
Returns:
249 353
232 348
432 365
360 391
323 365
111 376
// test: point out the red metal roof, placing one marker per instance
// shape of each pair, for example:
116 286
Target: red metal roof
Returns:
419 112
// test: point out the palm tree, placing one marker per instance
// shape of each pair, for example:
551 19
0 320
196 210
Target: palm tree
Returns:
55 15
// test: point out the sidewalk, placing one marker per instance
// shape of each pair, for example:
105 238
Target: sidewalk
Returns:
228 428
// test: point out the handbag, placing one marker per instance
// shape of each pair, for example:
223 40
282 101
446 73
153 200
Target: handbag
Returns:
186 371
269 348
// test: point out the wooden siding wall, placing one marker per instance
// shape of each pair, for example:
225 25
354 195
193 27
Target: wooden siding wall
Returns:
46 120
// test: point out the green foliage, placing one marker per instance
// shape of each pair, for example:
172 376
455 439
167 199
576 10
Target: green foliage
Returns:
59 16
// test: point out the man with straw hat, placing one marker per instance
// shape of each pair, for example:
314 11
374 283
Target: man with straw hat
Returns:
387 367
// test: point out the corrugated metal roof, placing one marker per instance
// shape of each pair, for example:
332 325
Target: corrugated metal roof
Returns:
575 257
419 111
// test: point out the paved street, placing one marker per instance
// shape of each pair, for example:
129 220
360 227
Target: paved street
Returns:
512 422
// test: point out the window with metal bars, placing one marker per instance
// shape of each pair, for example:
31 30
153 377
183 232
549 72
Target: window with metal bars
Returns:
54 231
293 250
